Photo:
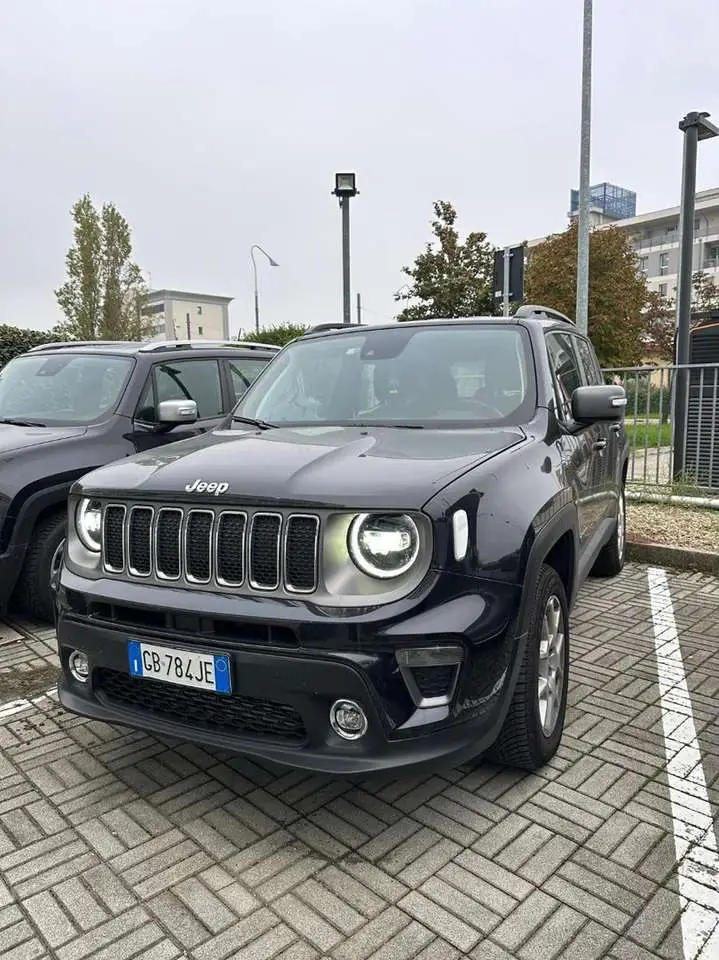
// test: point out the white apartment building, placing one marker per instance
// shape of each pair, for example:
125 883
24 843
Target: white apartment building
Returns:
655 235
181 315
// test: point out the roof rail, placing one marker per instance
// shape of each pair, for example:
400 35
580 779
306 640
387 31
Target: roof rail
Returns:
322 327
63 344
534 310
160 345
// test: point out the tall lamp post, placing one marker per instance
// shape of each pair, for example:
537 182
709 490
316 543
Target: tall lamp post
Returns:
695 127
345 189
273 263
582 311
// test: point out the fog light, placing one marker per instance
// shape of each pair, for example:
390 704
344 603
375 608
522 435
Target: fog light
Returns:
348 719
79 666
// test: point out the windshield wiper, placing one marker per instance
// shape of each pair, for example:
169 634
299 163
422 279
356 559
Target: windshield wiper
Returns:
21 423
251 422
391 426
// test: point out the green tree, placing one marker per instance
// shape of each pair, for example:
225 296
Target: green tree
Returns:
705 292
449 278
660 315
278 336
617 292
104 290
659 324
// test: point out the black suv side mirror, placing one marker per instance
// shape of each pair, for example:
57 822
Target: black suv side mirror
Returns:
596 403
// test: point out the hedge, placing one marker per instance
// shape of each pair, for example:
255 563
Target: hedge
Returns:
278 336
14 341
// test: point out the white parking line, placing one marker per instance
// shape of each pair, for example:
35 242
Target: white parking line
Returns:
694 837
12 707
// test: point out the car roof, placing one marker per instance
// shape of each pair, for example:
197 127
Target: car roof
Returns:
156 348
527 313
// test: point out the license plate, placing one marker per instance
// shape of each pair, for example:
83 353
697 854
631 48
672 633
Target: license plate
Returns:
202 671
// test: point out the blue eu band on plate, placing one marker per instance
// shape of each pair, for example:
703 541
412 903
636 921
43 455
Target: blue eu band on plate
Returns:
186 668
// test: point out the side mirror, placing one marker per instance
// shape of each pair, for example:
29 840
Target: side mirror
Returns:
170 412
597 403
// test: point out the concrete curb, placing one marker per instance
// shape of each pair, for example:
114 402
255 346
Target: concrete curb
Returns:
680 558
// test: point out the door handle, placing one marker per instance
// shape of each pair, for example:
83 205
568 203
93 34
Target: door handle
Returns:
599 445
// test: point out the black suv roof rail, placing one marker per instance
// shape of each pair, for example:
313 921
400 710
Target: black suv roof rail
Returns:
535 310
185 344
322 327
64 344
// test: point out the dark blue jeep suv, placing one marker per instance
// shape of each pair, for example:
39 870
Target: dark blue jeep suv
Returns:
369 565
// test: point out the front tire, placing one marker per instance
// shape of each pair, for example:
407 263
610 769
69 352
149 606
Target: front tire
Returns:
33 595
534 724
610 561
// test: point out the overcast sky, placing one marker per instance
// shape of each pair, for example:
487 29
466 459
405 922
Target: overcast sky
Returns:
217 125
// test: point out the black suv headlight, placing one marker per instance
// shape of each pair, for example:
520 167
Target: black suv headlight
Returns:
88 523
383 545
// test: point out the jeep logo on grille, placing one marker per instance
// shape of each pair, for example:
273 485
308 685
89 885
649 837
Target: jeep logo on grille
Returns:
201 486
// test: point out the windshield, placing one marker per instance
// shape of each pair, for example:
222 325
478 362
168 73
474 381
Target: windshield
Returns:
61 388
403 375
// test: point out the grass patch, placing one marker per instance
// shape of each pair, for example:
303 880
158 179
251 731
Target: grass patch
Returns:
648 435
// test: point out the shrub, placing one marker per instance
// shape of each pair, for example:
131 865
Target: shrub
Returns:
278 336
14 341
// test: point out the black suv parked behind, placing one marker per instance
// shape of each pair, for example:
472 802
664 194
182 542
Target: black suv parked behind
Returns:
369 565
68 408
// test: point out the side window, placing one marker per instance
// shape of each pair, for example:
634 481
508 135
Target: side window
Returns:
590 366
197 380
243 372
565 367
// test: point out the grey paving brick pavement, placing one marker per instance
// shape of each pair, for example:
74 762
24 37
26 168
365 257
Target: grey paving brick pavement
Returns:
116 845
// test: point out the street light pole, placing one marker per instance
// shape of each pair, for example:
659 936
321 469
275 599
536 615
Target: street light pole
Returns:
582 309
345 189
273 263
345 205
695 127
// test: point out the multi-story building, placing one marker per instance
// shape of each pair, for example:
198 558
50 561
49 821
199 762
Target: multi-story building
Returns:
180 315
655 235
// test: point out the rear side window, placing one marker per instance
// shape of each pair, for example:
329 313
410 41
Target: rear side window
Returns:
197 380
565 367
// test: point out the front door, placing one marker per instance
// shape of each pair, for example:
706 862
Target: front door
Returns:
582 450
606 439
198 380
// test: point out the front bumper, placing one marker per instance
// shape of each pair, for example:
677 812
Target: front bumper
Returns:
283 689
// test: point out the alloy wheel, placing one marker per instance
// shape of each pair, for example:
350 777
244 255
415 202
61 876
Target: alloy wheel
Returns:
56 561
621 525
550 684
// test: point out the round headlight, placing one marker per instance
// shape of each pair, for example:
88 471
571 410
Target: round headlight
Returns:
88 522
383 545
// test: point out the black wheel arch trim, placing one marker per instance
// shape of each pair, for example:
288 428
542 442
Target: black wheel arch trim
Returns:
31 508
563 522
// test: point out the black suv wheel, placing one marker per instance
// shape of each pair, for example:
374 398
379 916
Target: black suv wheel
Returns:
33 595
610 561
533 727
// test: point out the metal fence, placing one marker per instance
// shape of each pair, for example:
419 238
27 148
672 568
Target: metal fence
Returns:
654 460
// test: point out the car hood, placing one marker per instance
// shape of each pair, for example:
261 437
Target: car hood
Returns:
331 466
14 439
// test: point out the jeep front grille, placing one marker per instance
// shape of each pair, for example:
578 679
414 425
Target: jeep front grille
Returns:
197 546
